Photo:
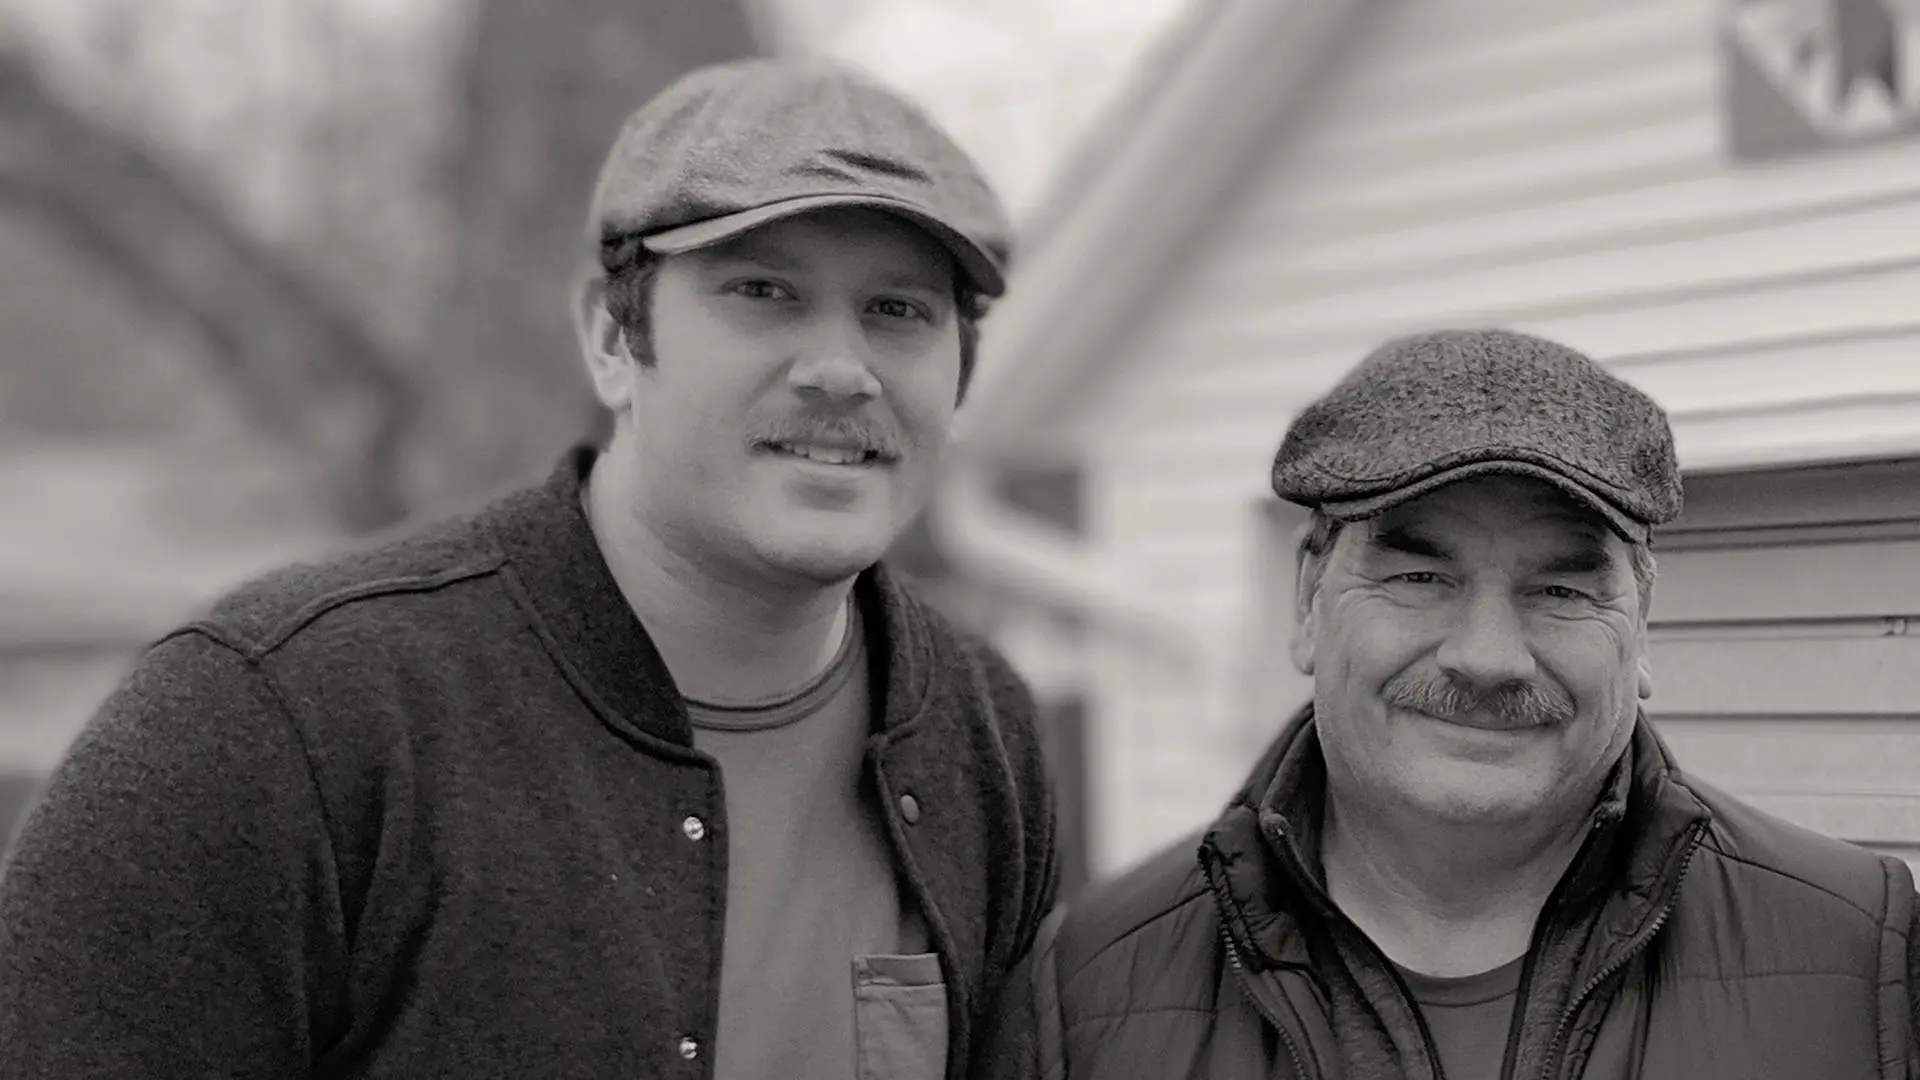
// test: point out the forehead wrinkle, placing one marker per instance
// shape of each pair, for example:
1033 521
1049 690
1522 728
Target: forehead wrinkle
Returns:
1580 547
1576 516
1588 550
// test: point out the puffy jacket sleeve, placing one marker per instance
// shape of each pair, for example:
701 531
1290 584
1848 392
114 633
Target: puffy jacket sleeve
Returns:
169 909
1022 1038
1913 991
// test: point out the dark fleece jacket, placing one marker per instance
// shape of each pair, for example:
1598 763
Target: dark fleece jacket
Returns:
419 813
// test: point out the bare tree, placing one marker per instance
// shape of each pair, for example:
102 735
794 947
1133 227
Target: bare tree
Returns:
547 86
306 317
300 369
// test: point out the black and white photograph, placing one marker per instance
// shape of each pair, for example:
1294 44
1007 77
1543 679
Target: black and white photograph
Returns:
960 539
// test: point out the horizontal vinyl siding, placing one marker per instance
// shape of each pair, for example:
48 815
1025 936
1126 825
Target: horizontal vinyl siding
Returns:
1789 769
1558 171
1818 721
1168 742
1786 645
1554 168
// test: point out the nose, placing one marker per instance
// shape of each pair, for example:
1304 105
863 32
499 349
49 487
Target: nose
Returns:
1487 645
832 367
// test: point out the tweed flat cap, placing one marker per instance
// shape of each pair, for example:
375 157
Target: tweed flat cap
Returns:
1425 410
734 146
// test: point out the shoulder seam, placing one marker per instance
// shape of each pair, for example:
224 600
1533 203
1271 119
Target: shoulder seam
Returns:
1778 872
304 616
253 668
1182 900
315 789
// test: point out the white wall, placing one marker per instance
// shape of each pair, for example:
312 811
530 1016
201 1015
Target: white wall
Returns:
1018 83
1554 168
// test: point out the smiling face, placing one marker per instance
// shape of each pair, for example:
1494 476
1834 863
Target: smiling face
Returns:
803 377
1477 653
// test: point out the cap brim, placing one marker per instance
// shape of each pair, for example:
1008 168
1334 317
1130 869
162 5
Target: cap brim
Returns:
1374 505
975 261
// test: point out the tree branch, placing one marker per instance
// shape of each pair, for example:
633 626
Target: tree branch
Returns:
301 370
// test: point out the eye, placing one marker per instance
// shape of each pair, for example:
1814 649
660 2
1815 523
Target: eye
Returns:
761 289
1563 592
893 307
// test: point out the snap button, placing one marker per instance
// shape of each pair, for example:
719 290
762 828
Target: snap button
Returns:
910 809
689 1047
694 828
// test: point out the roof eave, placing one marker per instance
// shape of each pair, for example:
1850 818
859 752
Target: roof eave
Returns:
1248 74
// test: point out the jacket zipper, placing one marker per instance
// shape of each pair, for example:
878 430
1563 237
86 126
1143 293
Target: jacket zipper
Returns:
1256 994
1331 910
1548 912
1550 1062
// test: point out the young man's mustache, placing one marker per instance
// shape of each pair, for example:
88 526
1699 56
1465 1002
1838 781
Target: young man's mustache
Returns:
866 434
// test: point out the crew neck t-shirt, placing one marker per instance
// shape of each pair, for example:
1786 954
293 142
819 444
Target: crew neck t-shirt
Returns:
1468 1017
825 968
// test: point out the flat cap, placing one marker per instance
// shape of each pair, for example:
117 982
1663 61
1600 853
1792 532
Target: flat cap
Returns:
1426 410
730 147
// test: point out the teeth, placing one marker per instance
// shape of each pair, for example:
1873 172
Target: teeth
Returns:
826 455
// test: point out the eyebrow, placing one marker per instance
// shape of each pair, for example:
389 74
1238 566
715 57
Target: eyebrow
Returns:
907 279
1592 557
1401 540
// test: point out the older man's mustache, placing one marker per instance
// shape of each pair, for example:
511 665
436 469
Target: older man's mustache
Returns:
1511 704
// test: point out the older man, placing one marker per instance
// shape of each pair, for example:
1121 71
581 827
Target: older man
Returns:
647 771
1471 856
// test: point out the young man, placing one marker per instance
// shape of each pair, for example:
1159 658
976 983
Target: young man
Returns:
648 771
1471 856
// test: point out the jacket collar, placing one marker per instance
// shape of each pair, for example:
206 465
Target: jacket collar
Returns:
1262 855
555 566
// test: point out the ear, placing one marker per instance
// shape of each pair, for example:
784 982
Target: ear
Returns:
1643 667
1305 595
610 365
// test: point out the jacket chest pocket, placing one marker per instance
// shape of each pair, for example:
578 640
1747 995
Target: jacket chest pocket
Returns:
900 1017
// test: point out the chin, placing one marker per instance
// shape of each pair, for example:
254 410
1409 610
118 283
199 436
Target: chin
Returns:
1471 793
822 556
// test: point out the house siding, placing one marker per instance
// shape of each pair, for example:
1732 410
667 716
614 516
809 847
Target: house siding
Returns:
1554 168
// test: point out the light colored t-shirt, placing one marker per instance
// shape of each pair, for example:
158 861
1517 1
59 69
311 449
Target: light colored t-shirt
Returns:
826 970
1468 1017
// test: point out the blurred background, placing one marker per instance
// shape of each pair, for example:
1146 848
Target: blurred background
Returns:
277 277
